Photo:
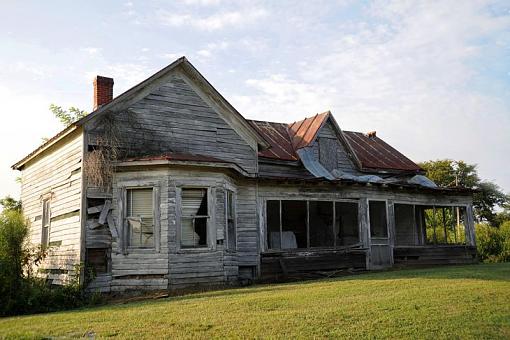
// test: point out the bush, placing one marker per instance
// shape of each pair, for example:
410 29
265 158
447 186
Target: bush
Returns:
20 291
493 244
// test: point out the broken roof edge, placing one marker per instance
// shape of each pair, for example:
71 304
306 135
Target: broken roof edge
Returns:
131 92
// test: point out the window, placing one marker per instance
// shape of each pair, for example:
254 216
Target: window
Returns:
195 213
321 223
140 217
231 224
295 224
378 221
442 225
346 223
46 216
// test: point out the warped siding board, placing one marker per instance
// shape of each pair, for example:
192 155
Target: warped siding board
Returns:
56 171
434 255
174 118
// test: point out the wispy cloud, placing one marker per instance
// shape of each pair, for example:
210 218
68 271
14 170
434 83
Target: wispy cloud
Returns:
212 22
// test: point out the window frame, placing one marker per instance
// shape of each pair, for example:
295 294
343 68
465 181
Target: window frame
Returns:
211 242
386 205
154 217
357 201
123 241
45 227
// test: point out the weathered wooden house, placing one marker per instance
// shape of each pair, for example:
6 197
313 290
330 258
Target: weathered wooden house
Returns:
169 186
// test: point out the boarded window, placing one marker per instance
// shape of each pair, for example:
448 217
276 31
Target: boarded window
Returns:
321 224
378 220
346 223
293 225
140 216
194 218
231 220
328 153
46 216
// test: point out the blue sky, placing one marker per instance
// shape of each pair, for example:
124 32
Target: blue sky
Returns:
432 78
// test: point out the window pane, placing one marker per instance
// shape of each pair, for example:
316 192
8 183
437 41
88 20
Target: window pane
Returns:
378 224
140 217
194 218
45 230
346 224
321 224
293 225
273 224
406 232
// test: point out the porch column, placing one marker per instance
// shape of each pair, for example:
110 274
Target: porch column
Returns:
470 226
391 228
365 227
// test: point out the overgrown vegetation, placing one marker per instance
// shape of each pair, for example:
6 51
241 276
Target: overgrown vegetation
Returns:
493 244
21 291
468 302
488 196
69 116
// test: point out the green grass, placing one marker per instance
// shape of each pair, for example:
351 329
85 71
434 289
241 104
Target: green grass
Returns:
454 302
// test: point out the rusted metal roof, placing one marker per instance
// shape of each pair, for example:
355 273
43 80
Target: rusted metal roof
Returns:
374 153
303 132
277 134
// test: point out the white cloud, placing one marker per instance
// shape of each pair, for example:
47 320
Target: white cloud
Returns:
407 75
212 22
202 2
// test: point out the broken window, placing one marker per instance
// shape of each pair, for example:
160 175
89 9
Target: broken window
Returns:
346 223
311 224
321 224
378 219
140 217
442 224
273 225
231 225
45 230
406 231
293 225
195 213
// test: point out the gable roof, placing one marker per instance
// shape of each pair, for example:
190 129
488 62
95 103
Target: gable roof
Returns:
139 91
371 153
374 153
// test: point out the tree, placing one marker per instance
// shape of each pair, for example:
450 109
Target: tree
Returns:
488 195
10 204
69 116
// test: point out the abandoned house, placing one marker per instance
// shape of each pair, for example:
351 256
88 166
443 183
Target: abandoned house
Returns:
168 186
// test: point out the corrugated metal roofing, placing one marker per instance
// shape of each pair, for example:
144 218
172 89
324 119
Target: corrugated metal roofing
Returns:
372 152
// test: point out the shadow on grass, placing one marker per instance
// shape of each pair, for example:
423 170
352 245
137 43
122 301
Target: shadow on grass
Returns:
483 272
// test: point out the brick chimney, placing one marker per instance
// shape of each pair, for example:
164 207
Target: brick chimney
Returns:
103 91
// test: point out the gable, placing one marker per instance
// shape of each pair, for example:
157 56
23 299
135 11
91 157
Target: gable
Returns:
330 151
174 118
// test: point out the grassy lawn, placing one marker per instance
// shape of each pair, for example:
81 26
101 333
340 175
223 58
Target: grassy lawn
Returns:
454 302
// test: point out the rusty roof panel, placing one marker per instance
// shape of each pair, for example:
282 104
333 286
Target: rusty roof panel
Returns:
277 135
303 132
374 153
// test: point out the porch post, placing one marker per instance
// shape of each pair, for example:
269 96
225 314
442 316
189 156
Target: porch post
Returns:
470 226
391 228
365 228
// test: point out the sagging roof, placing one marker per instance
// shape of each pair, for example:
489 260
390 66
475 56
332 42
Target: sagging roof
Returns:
371 151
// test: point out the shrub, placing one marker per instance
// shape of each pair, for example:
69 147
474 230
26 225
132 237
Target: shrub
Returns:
20 291
493 244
